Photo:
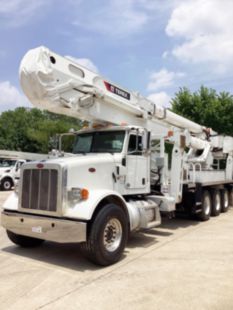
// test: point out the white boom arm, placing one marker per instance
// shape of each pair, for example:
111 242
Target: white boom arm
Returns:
59 84
62 86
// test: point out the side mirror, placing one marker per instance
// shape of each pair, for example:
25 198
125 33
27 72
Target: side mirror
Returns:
17 167
146 141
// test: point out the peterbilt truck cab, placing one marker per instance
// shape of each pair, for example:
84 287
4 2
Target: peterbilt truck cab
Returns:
110 173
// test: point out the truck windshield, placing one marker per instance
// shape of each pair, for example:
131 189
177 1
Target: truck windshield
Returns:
99 142
5 163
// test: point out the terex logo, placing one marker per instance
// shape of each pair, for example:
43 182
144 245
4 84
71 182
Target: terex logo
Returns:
117 91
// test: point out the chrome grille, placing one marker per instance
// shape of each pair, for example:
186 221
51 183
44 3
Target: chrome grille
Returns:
39 189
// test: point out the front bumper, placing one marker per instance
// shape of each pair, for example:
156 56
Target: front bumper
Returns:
52 229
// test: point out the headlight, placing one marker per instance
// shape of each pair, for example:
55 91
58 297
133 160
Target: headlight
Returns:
77 194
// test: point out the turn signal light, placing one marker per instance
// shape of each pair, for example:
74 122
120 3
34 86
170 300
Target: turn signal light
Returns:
84 193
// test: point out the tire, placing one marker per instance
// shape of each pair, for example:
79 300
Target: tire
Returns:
231 197
6 184
216 202
23 241
206 206
225 200
107 237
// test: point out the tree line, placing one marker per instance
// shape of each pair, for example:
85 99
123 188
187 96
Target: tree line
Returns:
206 107
33 130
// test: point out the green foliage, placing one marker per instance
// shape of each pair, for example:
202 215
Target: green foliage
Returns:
206 107
32 130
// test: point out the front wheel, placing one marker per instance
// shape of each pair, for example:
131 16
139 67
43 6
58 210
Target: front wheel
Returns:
108 236
23 241
7 184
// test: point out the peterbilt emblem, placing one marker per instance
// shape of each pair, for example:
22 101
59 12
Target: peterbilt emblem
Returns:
40 166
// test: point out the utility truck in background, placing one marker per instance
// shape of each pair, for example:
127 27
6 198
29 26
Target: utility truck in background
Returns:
120 178
10 163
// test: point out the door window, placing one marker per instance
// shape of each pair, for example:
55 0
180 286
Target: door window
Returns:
135 145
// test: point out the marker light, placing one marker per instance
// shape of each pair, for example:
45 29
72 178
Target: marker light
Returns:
170 133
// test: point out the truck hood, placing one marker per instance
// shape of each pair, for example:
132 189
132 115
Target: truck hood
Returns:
92 171
82 159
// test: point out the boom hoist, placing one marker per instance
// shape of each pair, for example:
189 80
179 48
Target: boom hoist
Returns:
120 179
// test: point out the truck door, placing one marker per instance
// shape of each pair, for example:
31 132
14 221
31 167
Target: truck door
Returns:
136 164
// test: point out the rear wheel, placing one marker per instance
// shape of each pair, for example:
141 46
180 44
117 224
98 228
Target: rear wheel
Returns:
225 200
216 202
107 237
206 206
231 197
23 241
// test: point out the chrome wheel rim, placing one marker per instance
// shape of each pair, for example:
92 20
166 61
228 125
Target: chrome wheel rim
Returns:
112 235
218 203
207 205
226 202
7 185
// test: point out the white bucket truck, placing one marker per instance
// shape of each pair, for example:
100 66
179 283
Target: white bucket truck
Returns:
9 172
10 164
120 179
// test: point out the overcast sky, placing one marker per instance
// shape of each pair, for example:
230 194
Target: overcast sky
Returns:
150 46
